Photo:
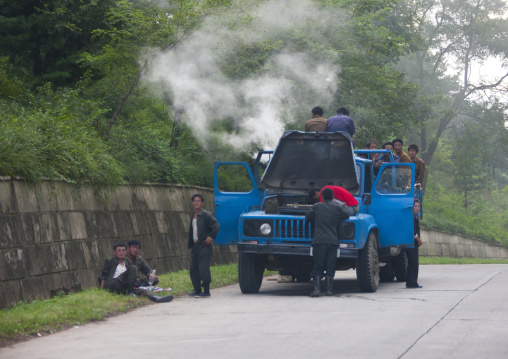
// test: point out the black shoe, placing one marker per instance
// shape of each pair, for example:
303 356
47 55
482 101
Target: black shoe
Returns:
194 294
413 286
203 295
157 299
317 287
329 286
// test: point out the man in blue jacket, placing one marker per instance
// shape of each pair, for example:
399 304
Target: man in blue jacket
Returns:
341 122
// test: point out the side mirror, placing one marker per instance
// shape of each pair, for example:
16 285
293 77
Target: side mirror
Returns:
366 199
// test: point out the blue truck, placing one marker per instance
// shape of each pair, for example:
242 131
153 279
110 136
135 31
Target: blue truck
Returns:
261 207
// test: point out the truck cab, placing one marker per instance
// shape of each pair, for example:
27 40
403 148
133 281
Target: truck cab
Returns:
262 209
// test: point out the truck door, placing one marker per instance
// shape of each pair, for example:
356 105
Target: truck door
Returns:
235 192
392 204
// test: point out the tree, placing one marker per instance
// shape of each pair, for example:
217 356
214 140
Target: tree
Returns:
456 36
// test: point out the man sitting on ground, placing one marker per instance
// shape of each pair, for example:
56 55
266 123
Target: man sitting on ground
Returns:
118 273
133 248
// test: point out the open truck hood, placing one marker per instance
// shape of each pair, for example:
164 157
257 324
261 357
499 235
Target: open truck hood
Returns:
305 159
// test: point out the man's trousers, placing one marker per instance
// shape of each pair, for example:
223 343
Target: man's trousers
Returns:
324 258
201 255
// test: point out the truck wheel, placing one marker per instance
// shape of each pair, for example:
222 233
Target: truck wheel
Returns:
400 266
386 272
250 273
367 270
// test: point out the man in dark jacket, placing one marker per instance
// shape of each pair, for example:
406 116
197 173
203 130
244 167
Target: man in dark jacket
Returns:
118 273
325 217
133 248
203 229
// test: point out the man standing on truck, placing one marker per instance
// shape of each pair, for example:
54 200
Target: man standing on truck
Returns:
203 229
325 217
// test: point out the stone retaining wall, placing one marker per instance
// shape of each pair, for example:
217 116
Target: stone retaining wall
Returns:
54 238
441 244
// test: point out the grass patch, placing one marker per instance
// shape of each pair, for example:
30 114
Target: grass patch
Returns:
41 317
448 260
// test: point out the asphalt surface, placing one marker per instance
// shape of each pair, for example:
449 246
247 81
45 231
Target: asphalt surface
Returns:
461 312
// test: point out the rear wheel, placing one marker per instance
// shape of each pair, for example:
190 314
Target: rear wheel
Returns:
250 273
400 266
367 270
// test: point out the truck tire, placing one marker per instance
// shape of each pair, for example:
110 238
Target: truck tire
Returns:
367 270
250 273
386 272
399 264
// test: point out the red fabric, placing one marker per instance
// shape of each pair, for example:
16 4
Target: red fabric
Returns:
341 194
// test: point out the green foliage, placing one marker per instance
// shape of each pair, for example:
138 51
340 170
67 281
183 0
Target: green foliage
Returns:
50 315
54 139
448 260
485 216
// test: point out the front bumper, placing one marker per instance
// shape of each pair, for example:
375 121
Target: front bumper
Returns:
289 249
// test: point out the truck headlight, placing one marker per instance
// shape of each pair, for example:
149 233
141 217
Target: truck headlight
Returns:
265 228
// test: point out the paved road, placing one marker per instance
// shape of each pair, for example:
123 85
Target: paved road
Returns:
462 312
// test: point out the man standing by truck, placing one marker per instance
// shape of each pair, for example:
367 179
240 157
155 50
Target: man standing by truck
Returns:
325 217
203 229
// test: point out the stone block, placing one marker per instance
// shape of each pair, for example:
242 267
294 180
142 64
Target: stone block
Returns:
38 262
139 223
92 229
106 226
176 201
124 225
151 222
482 252
6 232
57 257
49 230
75 255
15 263
31 229
138 199
124 198
91 254
97 201
7 197
66 198
26 200
46 195
71 281
64 227
162 223
460 252
78 225
11 293
470 252
88 277
32 289
151 200
52 284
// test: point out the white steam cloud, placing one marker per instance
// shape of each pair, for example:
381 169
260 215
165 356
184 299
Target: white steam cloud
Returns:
257 105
